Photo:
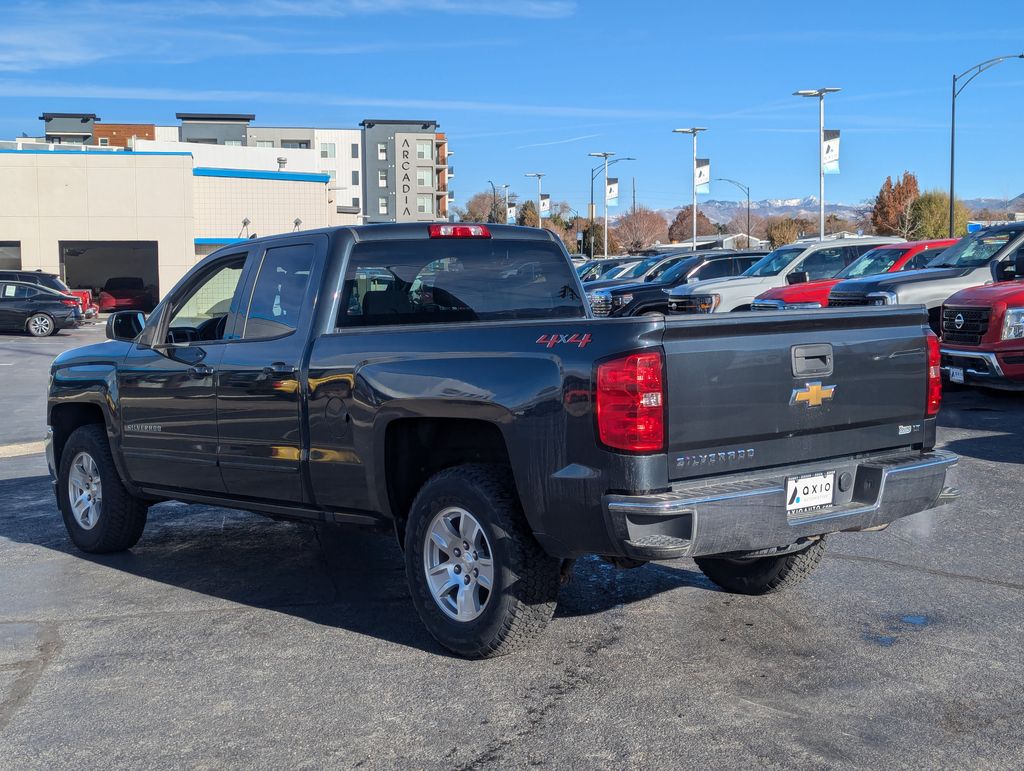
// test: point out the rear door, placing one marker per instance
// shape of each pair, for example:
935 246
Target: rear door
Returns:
764 387
259 388
12 316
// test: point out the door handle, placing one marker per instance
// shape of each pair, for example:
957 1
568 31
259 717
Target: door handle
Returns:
812 360
200 371
279 369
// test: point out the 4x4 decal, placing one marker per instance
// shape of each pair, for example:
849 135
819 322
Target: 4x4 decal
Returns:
576 338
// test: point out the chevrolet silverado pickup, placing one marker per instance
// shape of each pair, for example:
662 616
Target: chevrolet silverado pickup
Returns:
965 264
449 384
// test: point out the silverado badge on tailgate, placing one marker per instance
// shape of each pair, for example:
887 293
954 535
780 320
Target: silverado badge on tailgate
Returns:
813 394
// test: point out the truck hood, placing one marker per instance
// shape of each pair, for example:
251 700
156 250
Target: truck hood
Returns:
893 281
1008 292
812 291
107 352
731 284
607 283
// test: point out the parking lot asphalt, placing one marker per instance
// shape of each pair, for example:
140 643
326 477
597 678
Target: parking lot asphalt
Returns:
228 640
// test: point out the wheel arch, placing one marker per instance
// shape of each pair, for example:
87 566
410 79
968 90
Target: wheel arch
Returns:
66 418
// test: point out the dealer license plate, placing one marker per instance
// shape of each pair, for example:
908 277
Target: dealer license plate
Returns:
815 491
956 374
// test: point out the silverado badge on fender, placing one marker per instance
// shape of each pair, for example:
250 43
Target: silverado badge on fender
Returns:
813 394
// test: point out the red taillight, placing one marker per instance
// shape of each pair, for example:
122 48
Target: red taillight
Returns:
71 303
631 403
459 231
934 376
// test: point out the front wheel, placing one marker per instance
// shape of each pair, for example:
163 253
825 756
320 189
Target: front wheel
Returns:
763 575
40 325
479 580
99 513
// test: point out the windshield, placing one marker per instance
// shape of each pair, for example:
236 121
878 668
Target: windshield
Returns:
599 268
872 263
773 263
678 271
640 268
975 250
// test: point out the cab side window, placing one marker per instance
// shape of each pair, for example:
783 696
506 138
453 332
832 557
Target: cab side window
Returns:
922 258
279 293
715 269
201 313
823 263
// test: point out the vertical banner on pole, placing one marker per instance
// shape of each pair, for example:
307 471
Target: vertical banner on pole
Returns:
702 175
545 205
611 193
510 214
830 151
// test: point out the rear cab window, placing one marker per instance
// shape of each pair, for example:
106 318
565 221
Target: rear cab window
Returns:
452 281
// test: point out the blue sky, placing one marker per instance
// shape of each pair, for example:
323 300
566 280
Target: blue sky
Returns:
537 84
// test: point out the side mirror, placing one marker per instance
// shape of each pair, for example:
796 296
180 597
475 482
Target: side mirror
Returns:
1003 270
125 325
797 277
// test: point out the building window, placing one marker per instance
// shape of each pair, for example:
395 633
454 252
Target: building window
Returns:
233 142
10 256
382 205
425 149
425 204
327 149
424 177
355 177
355 149
382 177
104 142
355 203
382 151
294 144
332 173
264 142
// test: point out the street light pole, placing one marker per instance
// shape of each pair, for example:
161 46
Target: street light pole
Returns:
506 202
494 201
745 189
538 175
820 93
973 72
593 176
693 132
605 156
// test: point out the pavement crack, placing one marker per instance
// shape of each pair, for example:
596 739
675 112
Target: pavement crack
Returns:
929 571
48 646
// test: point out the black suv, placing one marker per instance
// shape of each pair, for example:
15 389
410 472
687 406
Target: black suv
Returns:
633 299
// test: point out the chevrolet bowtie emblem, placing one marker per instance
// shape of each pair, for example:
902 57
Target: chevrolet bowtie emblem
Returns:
813 394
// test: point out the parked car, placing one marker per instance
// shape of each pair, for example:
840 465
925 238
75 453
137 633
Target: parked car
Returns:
983 331
596 269
36 309
894 258
491 422
805 260
647 269
125 293
652 296
86 305
963 265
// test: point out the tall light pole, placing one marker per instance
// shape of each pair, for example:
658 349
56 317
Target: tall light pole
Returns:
970 74
694 132
746 190
494 201
820 93
506 202
604 156
538 175
593 176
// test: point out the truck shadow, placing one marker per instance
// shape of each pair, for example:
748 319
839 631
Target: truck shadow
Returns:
324 574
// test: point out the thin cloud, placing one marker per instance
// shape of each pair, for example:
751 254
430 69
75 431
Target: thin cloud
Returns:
558 142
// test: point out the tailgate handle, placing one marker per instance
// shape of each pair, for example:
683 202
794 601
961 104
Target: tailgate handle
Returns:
812 360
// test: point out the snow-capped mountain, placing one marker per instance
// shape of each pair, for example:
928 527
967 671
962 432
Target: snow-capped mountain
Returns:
723 211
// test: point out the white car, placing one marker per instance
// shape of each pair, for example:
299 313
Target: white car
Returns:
805 260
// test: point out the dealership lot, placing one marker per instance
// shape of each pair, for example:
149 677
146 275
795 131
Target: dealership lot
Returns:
226 639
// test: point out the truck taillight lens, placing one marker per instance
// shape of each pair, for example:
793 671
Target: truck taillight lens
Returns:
934 376
459 231
631 403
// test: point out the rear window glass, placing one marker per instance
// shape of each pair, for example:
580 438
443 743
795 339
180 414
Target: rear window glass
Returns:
429 282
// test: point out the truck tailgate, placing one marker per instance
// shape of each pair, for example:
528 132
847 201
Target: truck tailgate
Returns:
755 390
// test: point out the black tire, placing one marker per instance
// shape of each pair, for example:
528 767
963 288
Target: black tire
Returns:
765 575
40 325
122 516
526 580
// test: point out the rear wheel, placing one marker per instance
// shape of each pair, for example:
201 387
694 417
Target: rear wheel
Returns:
763 575
40 325
99 513
479 580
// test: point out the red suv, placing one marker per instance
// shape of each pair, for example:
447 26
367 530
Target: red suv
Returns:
889 258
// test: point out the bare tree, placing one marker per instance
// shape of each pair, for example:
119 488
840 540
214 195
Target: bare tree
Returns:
641 228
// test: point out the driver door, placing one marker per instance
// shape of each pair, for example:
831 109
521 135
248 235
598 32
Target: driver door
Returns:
167 392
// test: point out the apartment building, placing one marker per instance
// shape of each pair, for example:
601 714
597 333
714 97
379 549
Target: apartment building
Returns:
405 171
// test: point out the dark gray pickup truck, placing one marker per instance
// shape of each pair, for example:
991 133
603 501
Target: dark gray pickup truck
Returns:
449 383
